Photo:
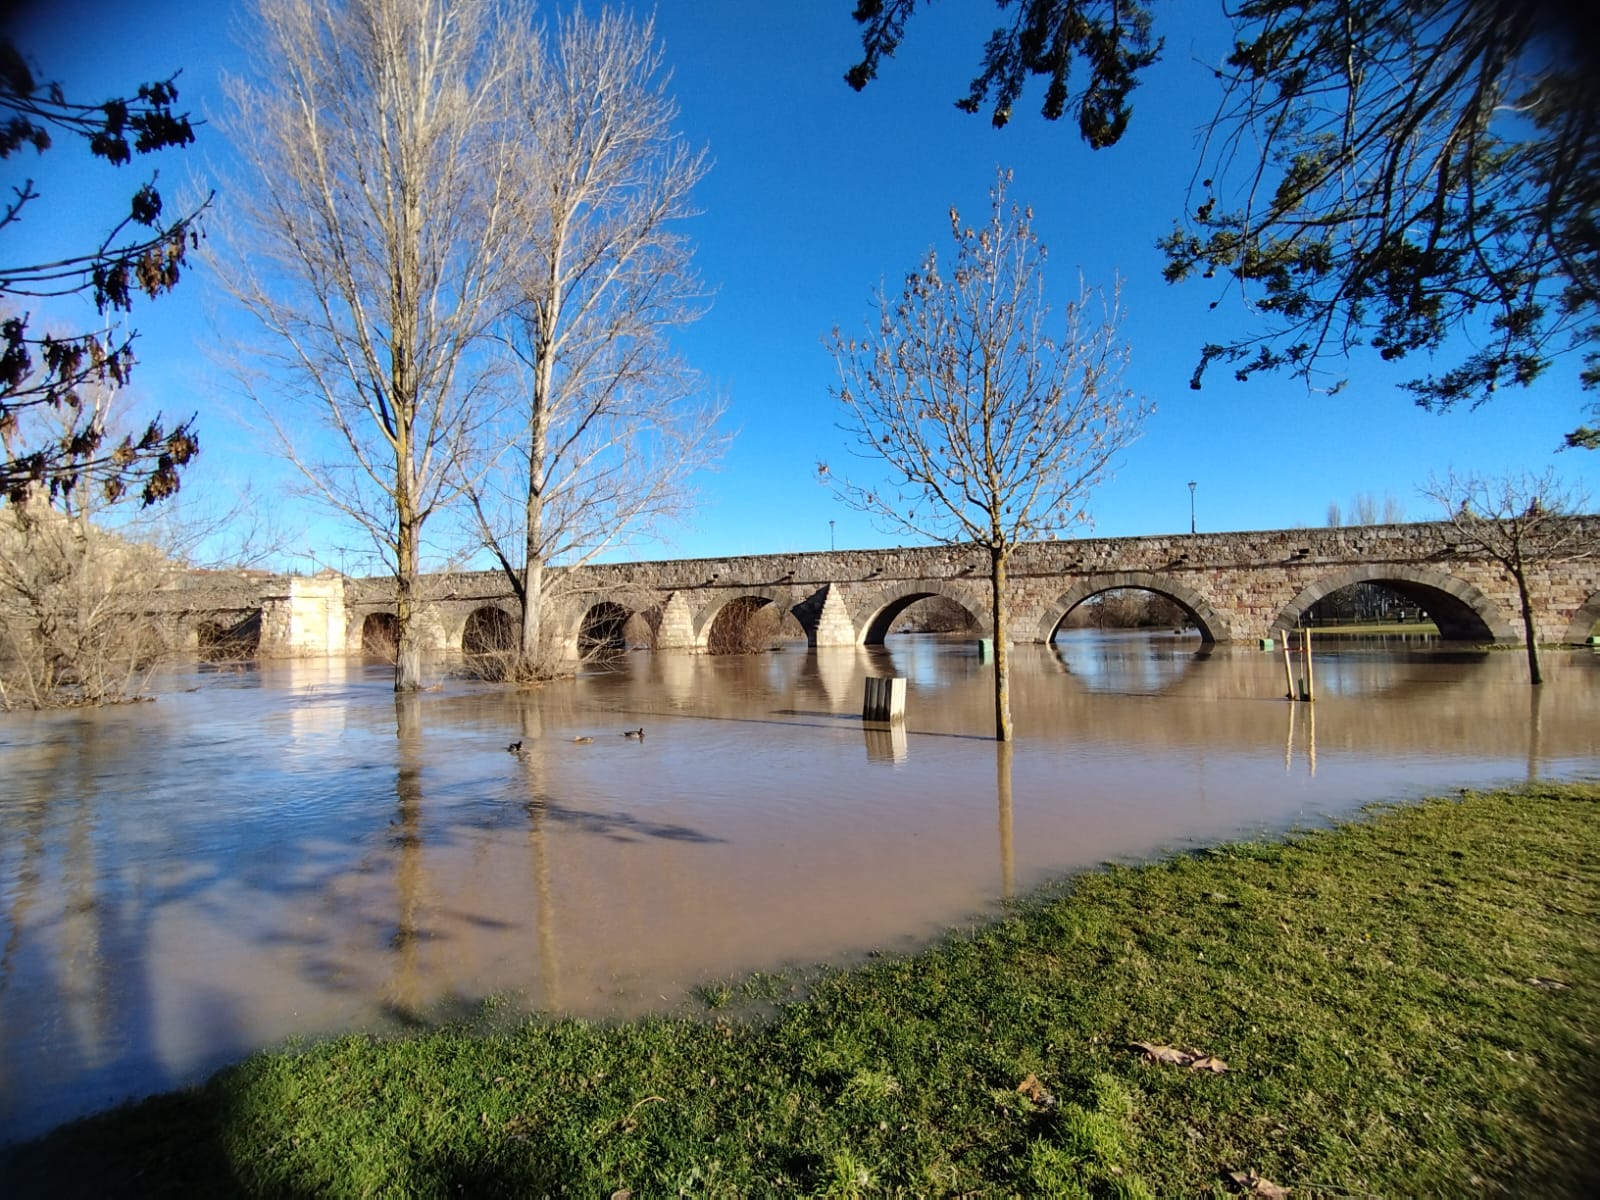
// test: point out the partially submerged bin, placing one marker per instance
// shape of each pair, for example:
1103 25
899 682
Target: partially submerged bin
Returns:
885 700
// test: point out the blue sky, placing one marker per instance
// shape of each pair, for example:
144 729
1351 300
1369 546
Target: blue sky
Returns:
816 195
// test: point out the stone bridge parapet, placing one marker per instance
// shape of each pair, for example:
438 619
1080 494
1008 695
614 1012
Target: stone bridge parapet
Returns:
1234 586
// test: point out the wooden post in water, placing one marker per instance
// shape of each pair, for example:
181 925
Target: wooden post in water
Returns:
1305 642
885 700
1288 675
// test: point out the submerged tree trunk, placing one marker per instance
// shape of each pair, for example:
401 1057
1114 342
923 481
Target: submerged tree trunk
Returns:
1529 631
407 603
1002 678
528 661
407 517
1002 782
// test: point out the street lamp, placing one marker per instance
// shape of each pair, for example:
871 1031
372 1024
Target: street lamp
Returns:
1191 506
830 535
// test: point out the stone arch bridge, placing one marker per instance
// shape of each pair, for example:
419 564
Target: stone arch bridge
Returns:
1234 586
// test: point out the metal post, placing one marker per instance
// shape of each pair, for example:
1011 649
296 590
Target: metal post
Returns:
1191 506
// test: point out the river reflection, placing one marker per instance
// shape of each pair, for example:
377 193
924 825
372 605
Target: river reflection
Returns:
292 851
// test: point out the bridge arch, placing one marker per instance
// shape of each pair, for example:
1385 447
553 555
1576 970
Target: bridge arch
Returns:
1583 622
876 612
1461 611
380 634
227 636
600 629
1213 626
489 629
712 621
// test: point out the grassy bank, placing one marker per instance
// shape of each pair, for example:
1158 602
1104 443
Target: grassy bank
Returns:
1407 1005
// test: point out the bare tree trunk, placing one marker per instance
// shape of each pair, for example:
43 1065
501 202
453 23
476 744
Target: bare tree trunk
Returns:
1529 633
528 659
1008 858
534 550
408 520
532 616
408 653
1002 677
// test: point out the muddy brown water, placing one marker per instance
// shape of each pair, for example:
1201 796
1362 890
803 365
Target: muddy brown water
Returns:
287 851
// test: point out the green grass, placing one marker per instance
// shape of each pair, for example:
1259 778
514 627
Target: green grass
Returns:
1408 1005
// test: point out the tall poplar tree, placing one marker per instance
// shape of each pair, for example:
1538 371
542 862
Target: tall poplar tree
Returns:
372 245
609 423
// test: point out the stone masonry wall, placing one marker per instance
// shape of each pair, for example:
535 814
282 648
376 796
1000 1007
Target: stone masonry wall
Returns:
1240 586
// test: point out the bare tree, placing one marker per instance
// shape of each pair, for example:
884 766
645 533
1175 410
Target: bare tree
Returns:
87 574
72 626
995 421
1519 520
613 423
1367 509
372 246
81 572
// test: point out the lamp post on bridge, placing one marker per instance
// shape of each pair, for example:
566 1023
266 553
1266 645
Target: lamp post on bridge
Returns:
1191 506
830 534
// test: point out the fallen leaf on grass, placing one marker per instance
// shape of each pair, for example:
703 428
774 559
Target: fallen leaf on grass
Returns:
1555 985
1194 1060
1254 1185
1035 1091
1166 1054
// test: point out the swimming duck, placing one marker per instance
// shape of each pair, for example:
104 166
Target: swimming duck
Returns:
514 748
583 741
634 733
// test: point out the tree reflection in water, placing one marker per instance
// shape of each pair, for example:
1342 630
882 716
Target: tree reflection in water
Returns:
298 851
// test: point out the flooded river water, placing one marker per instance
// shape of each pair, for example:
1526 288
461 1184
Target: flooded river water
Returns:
287 850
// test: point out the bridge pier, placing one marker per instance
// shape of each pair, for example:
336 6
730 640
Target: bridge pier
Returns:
305 619
825 618
676 631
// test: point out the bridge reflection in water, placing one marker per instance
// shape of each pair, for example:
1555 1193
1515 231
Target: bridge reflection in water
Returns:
291 850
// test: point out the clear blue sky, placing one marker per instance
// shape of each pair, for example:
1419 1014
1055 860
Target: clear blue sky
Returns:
817 194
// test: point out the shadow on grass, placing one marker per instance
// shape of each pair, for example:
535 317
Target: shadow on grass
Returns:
162 1146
